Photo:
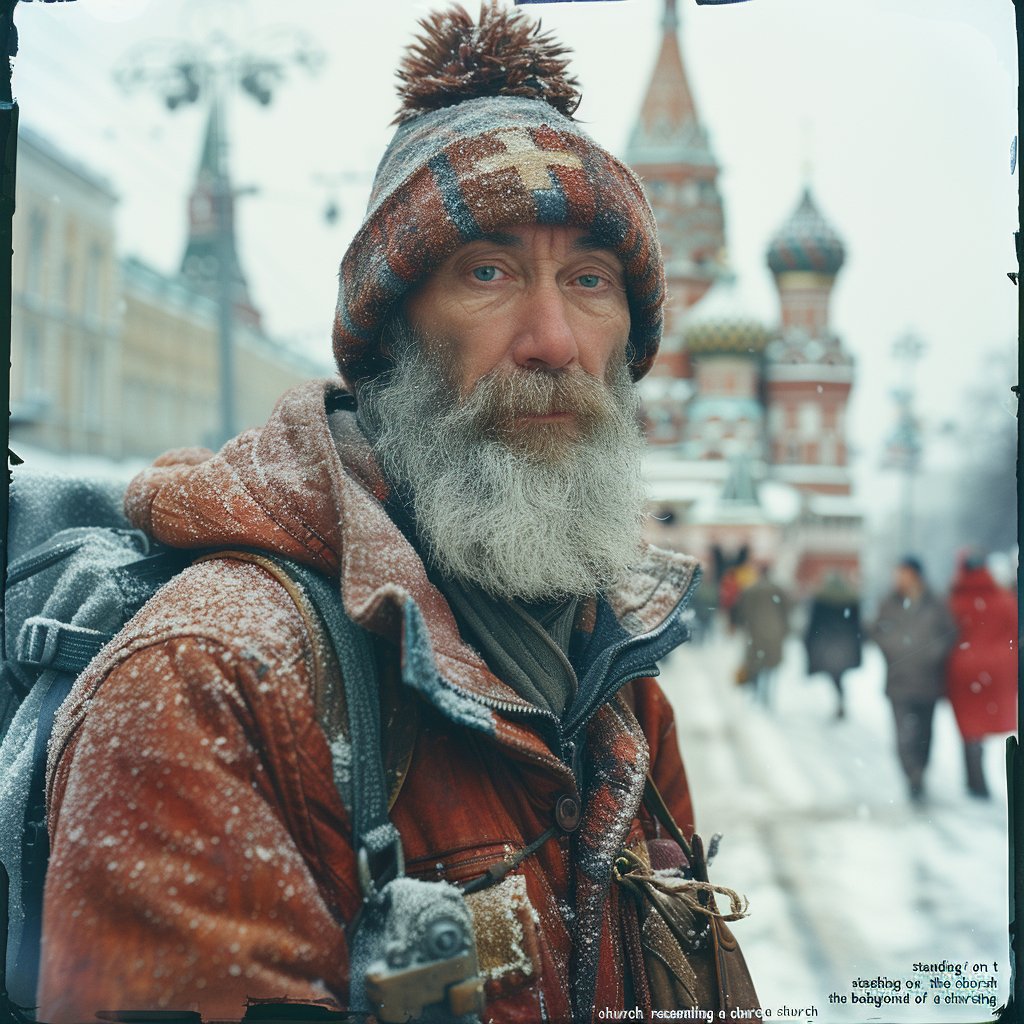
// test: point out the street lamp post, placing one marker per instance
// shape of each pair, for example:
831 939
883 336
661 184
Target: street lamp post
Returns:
222 199
182 74
903 449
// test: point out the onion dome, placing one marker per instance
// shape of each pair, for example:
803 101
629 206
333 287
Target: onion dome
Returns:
721 323
806 242
746 337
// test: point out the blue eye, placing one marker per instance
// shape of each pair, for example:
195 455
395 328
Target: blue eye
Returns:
589 280
485 273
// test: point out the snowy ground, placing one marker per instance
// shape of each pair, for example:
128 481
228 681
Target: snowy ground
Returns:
846 879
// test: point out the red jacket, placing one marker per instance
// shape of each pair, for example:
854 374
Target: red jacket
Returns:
201 852
981 674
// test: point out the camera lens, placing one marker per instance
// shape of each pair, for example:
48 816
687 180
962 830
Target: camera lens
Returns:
443 938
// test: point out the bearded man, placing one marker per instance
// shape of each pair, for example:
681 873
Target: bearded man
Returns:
475 487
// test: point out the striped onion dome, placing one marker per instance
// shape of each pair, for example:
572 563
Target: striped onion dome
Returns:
740 336
721 322
806 242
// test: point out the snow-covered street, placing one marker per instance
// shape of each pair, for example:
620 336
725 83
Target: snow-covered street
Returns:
847 880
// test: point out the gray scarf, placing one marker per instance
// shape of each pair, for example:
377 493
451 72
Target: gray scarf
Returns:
524 645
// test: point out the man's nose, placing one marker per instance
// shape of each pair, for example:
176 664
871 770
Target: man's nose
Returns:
545 340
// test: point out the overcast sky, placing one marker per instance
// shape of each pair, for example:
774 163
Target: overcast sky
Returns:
904 109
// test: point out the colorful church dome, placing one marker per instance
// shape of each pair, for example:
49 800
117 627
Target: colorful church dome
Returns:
744 337
722 322
806 242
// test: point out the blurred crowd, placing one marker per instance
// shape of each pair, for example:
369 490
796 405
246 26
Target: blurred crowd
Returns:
961 646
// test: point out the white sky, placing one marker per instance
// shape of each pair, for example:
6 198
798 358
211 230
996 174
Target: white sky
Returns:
907 108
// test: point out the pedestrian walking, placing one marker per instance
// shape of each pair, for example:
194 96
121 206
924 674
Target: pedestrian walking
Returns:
762 610
704 604
915 633
981 674
833 638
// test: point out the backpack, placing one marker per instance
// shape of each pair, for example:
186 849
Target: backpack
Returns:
70 589
78 573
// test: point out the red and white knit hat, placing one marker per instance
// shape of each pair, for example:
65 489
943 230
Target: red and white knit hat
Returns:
486 141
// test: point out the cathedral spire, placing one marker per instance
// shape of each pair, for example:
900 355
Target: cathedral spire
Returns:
667 128
670 20
669 149
211 222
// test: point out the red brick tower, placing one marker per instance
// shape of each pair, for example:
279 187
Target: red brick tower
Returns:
807 383
669 150
808 374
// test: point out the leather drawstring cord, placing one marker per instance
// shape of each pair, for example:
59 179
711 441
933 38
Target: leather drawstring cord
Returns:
499 869
685 889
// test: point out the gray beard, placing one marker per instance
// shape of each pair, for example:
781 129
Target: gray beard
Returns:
538 513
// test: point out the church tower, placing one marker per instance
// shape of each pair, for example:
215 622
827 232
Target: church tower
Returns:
808 373
669 150
211 225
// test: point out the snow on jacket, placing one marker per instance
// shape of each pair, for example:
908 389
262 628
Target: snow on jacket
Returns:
201 852
915 637
981 674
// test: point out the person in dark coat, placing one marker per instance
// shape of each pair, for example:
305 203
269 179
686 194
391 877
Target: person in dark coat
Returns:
915 633
833 633
981 674
762 610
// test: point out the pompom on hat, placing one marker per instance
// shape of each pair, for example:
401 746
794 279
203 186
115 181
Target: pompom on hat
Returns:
486 141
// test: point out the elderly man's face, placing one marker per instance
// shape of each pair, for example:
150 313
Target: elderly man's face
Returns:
509 417
532 297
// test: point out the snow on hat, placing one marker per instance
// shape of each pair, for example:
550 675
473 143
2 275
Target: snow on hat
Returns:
486 141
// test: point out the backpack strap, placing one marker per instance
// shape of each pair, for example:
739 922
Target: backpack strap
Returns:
377 842
324 661
655 803
46 643
35 843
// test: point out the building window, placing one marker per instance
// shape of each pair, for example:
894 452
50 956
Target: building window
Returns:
36 254
828 450
662 427
92 391
810 420
711 430
93 283
31 361
67 283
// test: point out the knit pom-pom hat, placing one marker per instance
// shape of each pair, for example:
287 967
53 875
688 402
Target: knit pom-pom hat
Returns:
486 141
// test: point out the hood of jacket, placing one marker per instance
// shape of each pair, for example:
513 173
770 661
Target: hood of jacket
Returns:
973 581
308 488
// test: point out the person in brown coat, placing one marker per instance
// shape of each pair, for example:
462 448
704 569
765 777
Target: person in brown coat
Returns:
915 632
474 484
762 610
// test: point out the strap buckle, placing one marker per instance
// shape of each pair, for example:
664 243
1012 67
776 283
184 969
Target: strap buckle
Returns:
372 882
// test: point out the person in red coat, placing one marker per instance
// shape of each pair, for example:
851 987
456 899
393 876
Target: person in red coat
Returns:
981 673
